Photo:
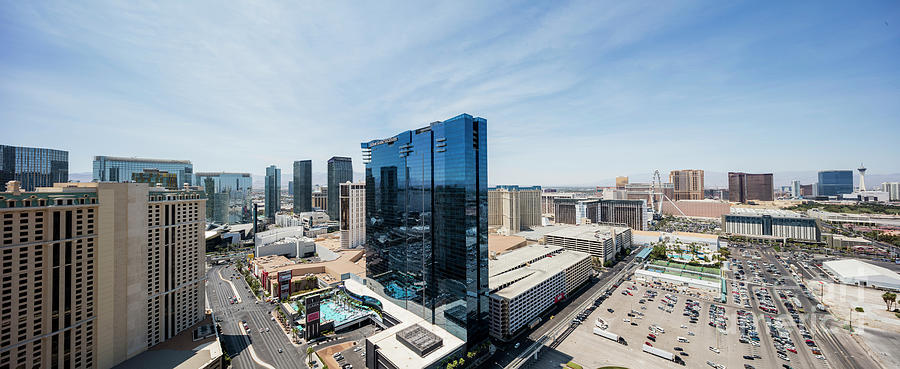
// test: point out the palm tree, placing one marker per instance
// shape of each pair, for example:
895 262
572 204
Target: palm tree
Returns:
309 352
889 298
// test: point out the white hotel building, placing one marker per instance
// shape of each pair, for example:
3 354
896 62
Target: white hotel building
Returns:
527 281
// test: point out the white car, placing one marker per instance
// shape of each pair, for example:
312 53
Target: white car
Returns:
626 320
713 349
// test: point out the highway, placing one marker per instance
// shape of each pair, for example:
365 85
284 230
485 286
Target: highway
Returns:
258 316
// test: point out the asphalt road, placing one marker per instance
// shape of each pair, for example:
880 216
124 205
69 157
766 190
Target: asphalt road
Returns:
258 317
821 324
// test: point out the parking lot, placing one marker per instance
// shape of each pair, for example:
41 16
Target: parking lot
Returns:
663 321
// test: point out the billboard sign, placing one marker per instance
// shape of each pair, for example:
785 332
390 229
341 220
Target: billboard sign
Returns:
311 317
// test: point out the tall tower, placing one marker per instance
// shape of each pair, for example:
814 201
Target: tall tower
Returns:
427 221
862 177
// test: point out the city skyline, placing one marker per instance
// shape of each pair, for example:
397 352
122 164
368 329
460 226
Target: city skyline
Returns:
688 80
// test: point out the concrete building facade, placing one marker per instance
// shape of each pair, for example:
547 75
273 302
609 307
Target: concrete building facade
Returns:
525 282
602 242
513 208
113 268
353 214
632 213
893 190
771 224
687 183
548 200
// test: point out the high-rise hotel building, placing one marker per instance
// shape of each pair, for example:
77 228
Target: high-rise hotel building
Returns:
512 208
427 223
688 184
353 214
96 273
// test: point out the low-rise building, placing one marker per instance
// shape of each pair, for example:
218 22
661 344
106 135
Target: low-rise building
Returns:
855 272
844 242
600 241
867 196
527 281
771 224
282 277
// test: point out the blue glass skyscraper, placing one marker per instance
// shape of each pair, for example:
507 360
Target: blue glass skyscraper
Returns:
273 191
427 221
835 182
33 167
119 169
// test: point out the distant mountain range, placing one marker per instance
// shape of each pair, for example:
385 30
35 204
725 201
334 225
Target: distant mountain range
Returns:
711 180
720 179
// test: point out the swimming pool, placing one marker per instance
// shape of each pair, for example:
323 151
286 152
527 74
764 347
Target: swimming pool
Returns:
399 292
340 313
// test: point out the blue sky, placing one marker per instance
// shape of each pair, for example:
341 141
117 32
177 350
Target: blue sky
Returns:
574 92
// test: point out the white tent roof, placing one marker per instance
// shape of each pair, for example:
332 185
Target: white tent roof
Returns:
862 271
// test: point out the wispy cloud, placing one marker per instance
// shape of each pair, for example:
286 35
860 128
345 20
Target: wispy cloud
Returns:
574 92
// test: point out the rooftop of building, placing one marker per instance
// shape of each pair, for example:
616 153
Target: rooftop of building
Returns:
853 268
847 238
499 244
675 266
516 271
590 232
765 211
141 160
644 253
395 351
182 351
538 232
348 261
515 188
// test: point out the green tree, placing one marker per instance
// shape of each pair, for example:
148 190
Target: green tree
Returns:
309 351
889 298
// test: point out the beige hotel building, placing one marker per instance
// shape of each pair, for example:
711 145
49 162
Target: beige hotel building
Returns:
96 273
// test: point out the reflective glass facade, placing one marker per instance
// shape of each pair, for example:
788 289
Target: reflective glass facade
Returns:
273 191
427 221
231 203
117 169
340 170
33 167
835 182
302 186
